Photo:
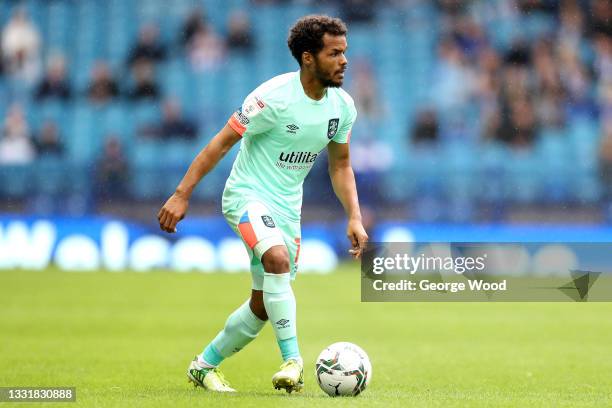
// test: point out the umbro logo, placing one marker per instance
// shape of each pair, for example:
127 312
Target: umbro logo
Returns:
282 323
292 128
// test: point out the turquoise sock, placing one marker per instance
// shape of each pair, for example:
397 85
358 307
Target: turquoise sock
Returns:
279 302
211 356
289 348
240 329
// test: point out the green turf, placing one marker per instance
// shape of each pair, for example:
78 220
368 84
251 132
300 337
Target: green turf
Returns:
125 339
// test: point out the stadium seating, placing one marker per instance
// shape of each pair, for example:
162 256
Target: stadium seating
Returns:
562 166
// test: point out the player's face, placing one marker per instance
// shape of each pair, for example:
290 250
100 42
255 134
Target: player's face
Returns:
330 63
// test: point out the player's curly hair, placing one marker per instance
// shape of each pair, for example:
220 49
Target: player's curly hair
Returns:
307 33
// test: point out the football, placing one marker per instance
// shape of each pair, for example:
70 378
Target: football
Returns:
343 369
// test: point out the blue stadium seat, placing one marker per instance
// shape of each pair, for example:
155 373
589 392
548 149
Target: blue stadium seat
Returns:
84 137
51 175
118 121
148 177
145 153
146 113
57 36
177 153
523 182
555 164
16 181
491 169
145 183
459 166
174 79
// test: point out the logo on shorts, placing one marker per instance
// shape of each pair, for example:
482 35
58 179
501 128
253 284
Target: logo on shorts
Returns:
268 221
282 324
332 127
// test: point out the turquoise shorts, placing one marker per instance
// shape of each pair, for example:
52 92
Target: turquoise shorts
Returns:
260 229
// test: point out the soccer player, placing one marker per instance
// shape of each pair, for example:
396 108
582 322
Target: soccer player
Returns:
283 126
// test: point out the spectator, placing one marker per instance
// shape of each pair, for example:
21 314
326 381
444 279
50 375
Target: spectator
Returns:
533 6
603 57
549 93
21 47
358 11
600 15
370 157
605 103
194 24
144 82
426 128
173 124
513 119
576 80
451 8
519 124
549 108
488 83
112 171
605 159
147 49
365 91
48 141
16 145
103 86
275 2
206 51
468 36
455 80
54 84
239 36
571 28
518 54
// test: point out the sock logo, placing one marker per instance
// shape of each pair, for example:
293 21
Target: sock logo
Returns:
282 323
268 221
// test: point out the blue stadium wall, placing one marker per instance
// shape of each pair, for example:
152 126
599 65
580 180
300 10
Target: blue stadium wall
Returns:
208 244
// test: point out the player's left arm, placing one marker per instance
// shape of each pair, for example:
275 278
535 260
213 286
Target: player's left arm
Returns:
343 182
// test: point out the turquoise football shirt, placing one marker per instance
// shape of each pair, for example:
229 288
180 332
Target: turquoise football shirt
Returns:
283 132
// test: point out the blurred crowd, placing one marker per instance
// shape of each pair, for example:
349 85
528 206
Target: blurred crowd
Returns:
481 89
533 83
21 51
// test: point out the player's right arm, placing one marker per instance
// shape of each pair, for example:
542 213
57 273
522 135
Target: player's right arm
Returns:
175 208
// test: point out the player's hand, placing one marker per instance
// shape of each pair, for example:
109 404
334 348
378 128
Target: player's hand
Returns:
358 237
172 212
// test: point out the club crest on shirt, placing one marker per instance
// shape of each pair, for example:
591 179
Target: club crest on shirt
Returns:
268 221
332 127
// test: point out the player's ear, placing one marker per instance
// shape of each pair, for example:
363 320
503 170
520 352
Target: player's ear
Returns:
307 58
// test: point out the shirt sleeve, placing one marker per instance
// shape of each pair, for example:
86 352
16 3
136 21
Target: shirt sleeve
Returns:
255 116
343 135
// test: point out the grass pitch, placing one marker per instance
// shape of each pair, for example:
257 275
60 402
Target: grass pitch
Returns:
125 340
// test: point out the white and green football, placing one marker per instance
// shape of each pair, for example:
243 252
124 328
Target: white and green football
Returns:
343 369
